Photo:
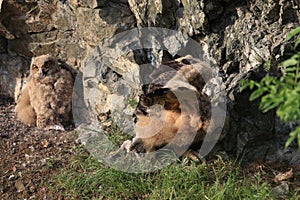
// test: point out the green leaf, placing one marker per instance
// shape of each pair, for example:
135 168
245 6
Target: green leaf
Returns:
256 94
289 110
293 135
244 84
293 33
289 62
291 69
270 101
289 141
268 80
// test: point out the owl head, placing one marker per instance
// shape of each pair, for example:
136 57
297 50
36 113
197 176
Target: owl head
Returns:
43 66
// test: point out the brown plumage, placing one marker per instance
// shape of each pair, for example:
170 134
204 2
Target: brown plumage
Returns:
46 99
173 108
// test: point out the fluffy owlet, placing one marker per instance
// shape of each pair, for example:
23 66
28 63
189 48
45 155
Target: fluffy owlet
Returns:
46 99
173 109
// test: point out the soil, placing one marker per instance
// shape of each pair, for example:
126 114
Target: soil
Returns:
30 158
270 171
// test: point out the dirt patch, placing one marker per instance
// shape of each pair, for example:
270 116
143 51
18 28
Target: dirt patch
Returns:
29 156
268 171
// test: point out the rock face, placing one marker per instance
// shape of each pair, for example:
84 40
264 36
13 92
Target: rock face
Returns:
65 29
242 37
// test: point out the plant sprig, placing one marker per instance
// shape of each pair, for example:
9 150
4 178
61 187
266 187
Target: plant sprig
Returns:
282 93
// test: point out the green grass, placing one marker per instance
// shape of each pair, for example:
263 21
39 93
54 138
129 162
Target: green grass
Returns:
86 178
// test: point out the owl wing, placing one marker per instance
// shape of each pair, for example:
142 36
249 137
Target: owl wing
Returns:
176 74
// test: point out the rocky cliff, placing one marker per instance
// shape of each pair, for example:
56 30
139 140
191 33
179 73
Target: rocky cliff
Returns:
242 37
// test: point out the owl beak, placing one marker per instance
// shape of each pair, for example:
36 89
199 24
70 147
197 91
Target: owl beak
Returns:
43 72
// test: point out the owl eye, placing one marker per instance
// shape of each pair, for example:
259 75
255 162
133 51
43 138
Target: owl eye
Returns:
48 64
35 67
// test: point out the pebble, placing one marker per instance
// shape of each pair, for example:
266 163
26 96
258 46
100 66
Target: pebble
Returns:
20 186
11 177
281 190
4 135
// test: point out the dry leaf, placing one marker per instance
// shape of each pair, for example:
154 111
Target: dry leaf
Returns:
283 176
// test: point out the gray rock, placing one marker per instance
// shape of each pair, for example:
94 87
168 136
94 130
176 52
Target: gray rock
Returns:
240 36
282 190
11 70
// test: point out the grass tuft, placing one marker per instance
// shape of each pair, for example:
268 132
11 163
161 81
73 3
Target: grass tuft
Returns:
86 178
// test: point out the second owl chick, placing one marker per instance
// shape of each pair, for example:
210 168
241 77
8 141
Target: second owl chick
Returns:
173 110
46 99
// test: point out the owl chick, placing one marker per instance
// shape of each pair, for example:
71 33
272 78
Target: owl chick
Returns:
173 109
46 99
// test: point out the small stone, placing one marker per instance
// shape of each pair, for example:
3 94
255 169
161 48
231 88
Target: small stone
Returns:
32 189
20 186
4 135
11 177
43 161
13 150
57 128
281 190
14 169
31 148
